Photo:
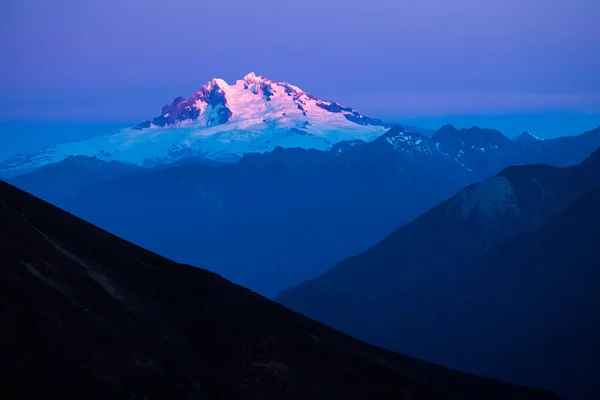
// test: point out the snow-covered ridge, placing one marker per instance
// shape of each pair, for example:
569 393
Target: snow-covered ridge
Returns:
220 122
410 143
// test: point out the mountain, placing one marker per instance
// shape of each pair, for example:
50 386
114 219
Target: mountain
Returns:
486 152
222 122
528 137
431 276
565 150
289 214
68 177
88 315
219 122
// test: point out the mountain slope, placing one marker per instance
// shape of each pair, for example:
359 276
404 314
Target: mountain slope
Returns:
89 315
566 150
554 318
220 122
289 214
423 275
68 177
486 152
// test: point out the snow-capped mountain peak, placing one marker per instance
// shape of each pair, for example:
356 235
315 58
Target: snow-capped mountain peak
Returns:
220 121
253 101
253 78
527 136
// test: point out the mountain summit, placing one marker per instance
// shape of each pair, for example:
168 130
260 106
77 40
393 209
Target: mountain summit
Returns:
256 102
220 122
528 137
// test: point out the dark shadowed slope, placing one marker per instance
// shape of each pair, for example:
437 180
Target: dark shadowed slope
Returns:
479 284
87 314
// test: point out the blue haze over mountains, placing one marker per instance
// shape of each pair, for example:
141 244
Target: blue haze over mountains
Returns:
440 240
290 214
464 247
26 136
501 279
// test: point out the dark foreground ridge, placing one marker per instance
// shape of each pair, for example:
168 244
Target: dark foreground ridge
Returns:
86 314
500 280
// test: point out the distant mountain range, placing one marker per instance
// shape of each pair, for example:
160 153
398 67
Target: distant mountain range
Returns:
219 122
290 213
501 279
270 186
222 123
88 315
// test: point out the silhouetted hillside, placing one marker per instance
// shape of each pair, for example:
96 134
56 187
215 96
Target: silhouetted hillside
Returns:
88 315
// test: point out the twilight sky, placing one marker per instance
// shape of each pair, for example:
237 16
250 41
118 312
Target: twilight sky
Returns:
121 60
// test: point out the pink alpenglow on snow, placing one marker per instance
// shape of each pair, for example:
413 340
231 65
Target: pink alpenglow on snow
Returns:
220 122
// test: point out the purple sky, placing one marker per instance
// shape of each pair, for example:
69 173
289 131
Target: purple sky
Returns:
124 59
